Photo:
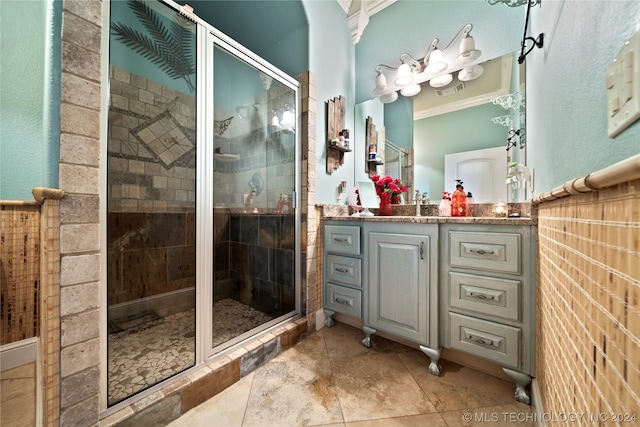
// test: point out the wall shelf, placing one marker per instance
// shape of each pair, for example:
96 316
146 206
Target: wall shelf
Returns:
335 123
226 157
373 137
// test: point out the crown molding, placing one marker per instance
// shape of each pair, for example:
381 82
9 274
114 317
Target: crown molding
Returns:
358 14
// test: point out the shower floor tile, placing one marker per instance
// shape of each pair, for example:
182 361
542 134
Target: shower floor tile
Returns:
142 356
232 318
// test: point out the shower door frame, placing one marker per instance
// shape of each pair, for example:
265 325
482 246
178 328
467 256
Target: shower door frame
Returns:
204 185
206 39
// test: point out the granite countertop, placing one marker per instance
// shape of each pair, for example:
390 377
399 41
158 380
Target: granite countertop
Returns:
406 214
437 220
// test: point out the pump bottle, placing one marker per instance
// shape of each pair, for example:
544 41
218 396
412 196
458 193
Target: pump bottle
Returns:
459 201
469 204
445 205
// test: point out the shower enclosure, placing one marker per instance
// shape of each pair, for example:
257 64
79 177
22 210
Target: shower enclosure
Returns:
202 220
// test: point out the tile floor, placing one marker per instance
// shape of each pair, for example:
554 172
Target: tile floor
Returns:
330 379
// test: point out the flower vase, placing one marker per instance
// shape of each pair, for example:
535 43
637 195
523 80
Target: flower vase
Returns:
395 199
385 205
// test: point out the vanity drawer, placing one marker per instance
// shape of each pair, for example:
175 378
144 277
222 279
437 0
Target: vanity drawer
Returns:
486 295
343 269
343 300
342 239
492 341
485 251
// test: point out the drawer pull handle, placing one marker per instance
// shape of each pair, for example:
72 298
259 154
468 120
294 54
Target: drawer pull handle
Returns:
341 270
341 239
482 296
481 341
342 301
421 250
482 252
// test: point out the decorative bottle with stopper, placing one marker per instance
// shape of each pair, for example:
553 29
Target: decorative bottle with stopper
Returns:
459 201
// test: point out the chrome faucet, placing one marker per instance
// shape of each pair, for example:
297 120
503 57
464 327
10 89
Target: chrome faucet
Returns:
417 200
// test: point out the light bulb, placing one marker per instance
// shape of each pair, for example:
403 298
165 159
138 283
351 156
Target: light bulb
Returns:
441 81
436 62
404 78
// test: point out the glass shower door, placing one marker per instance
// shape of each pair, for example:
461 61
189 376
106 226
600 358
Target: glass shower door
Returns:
151 197
254 183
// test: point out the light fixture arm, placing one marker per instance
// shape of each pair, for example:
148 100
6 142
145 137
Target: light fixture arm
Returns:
388 67
463 31
537 42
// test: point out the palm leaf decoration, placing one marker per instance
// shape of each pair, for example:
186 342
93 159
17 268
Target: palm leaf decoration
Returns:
168 48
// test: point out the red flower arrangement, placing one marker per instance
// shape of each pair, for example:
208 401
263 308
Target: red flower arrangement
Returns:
386 184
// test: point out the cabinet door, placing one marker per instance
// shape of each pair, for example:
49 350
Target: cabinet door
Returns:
398 288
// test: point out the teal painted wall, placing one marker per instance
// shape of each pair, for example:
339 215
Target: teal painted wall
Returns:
398 120
331 60
374 109
462 130
566 98
277 31
29 97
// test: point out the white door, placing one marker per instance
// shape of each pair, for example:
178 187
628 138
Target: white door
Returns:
483 173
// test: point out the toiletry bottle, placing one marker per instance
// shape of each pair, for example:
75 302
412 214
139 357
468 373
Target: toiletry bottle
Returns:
469 204
280 203
459 201
445 205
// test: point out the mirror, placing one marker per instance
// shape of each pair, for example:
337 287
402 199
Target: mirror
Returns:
460 117
368 197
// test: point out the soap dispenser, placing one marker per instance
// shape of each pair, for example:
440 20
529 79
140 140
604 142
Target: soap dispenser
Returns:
445 205
459 201
469 204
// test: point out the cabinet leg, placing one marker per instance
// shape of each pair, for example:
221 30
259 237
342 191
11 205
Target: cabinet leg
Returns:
328 321
434 355
367 339
522 381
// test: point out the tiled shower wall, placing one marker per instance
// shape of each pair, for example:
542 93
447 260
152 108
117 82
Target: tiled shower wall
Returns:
588 317
142 176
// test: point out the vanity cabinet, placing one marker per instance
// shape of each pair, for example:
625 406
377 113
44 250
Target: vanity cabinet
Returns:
487 296
342 270
464 286
401 287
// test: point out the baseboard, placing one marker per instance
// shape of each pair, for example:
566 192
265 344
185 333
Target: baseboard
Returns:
18 353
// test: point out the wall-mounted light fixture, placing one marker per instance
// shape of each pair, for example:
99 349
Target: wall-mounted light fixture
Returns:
288 121
537 42
437 67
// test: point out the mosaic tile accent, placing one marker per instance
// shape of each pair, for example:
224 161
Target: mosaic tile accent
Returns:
164 137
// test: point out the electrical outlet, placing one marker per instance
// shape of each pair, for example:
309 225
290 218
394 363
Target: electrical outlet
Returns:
623 87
